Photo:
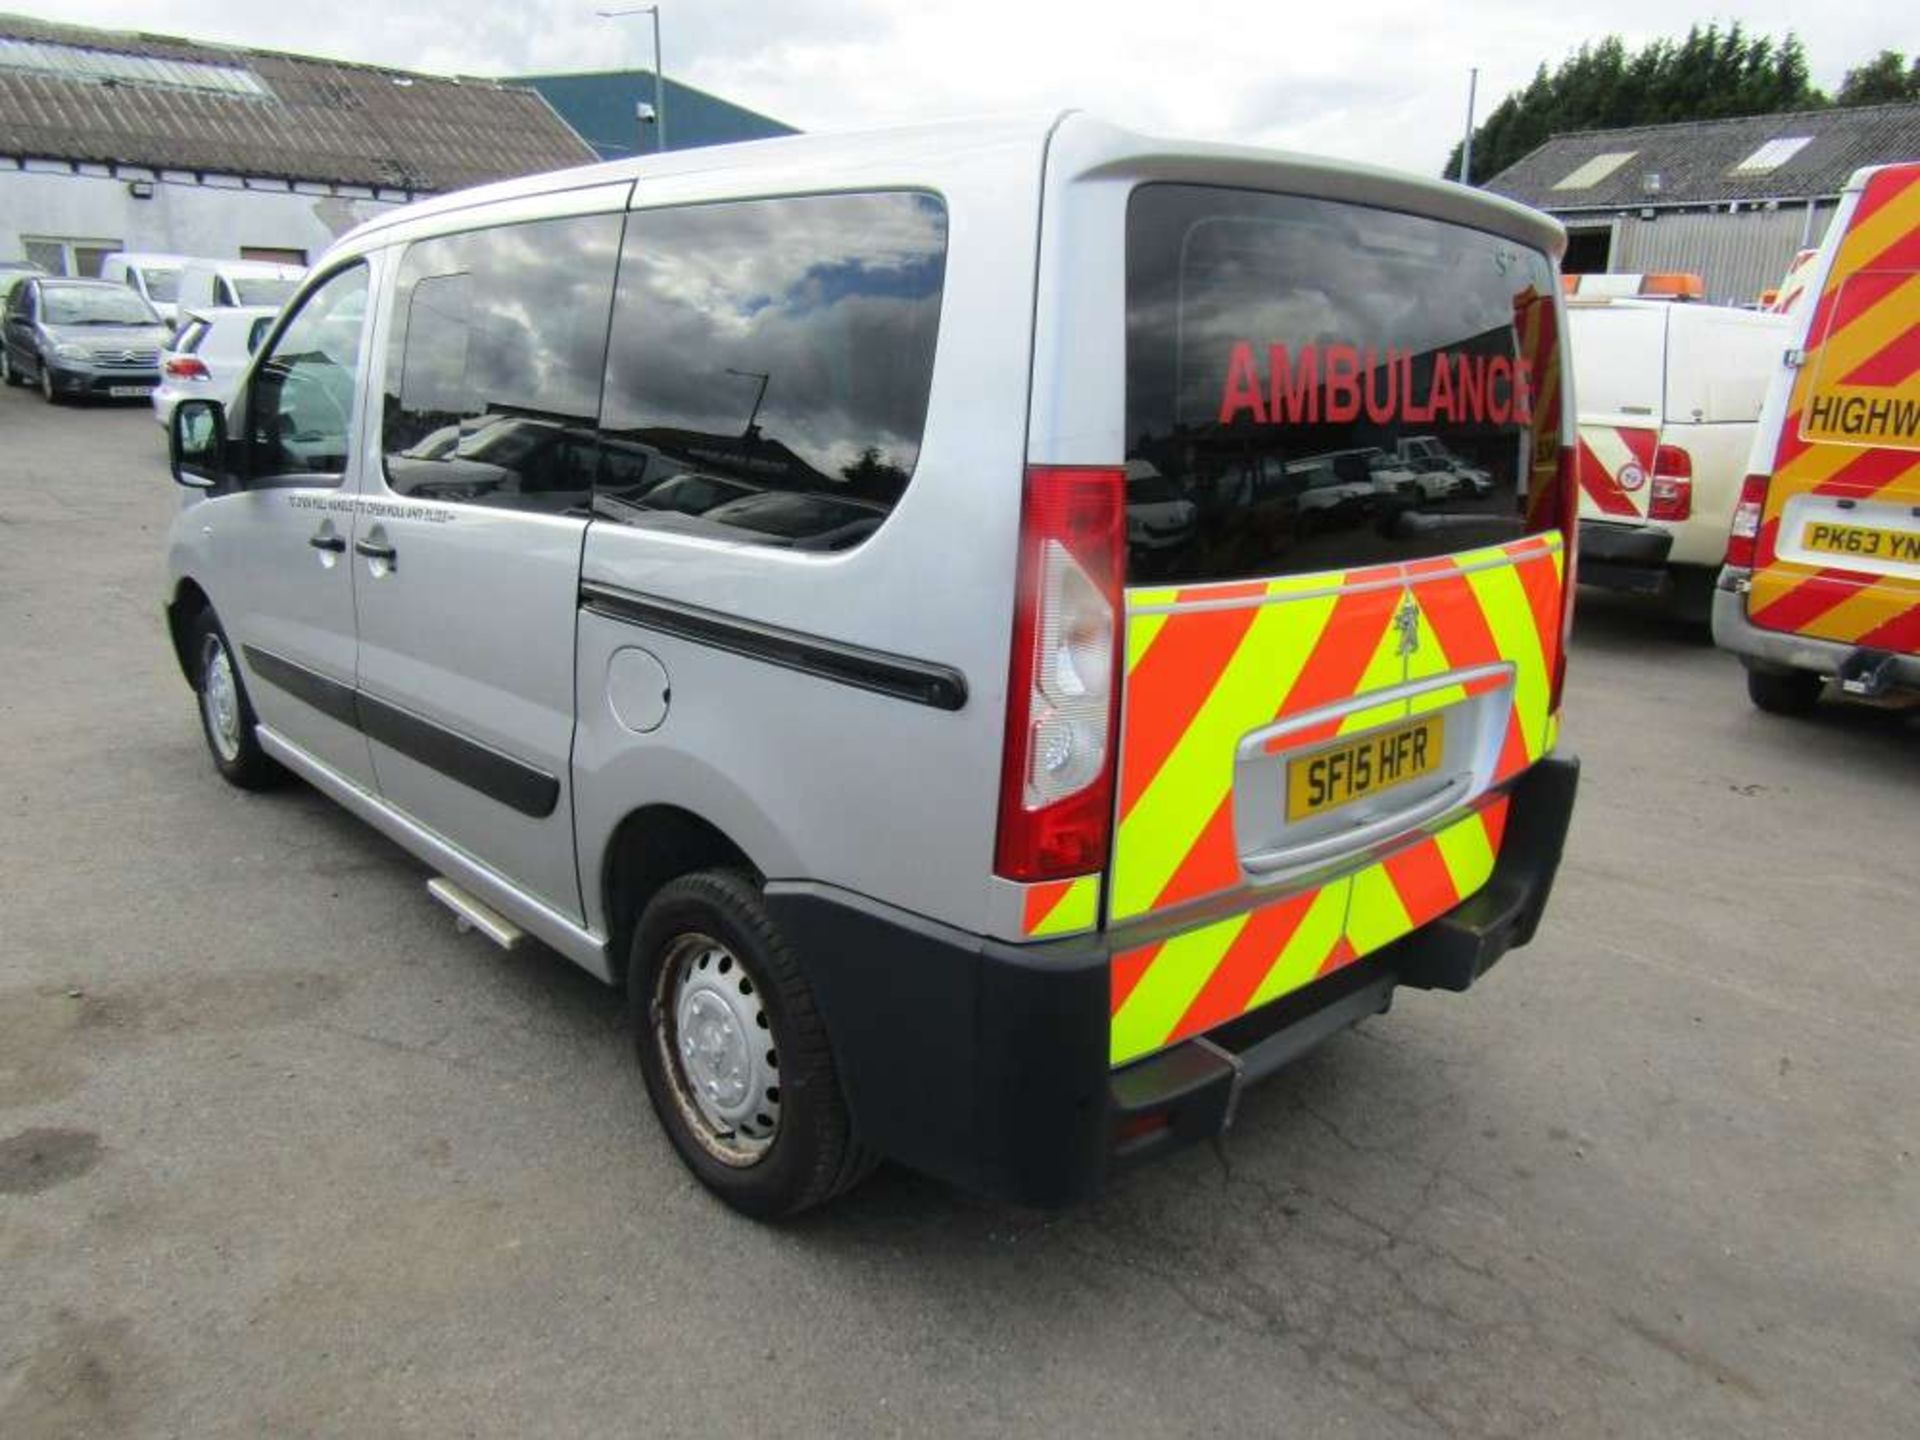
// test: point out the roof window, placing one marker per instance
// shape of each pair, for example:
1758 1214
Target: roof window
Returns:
112 67
1593 171
1772 155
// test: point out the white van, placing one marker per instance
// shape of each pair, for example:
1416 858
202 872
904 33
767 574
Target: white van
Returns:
1669 394
155 277
749 572
222 284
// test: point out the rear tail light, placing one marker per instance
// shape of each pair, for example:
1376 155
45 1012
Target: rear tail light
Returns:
186 367
1567 511
1744 538
1672 496
1056 781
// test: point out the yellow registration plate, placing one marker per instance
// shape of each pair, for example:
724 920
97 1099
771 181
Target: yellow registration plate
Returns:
1354 769
1867 542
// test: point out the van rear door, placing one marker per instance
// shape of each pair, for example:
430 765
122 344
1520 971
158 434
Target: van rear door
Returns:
1326 684
1838 556
1620 382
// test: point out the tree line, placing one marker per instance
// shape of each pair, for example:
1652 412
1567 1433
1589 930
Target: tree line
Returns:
1712 74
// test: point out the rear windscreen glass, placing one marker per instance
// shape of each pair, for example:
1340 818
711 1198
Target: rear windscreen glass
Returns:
1314 385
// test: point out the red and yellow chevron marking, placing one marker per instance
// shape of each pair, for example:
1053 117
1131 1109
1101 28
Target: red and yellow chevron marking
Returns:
1208 666
1183 986
1615 462
1866 352
1537 324
1061 907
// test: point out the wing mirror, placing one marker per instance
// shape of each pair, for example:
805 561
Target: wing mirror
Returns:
197 445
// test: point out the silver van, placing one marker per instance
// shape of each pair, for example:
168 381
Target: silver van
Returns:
719 568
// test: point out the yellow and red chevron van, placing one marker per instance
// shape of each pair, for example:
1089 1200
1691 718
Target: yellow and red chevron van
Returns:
1822 575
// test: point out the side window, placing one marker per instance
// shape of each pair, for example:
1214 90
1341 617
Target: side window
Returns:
300 411
258 332
494 368
770 366
224 290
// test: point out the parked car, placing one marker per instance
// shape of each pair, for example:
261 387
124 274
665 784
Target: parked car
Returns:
156 277
963 845
208 353
81 338
206 284
1426 455
1158 515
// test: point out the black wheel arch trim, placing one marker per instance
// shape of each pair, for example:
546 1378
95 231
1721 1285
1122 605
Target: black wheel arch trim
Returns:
924 682
514 783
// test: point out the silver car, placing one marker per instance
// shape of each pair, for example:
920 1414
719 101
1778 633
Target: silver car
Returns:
81 339
728 575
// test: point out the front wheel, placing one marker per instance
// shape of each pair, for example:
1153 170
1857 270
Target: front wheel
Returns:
1785 692
226 714
734 1054
7 375
47 390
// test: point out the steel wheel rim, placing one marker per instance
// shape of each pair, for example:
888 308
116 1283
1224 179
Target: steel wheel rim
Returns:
220 699
715 1043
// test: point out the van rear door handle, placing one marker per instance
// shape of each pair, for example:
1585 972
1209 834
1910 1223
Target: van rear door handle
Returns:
337 544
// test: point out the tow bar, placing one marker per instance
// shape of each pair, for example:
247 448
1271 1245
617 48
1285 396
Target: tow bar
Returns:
1867 674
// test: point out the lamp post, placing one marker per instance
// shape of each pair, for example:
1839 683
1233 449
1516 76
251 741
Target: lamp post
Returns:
659 82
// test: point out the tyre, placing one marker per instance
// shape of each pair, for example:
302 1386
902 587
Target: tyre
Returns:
1785 692
47 392
226 714
734 1054
7 375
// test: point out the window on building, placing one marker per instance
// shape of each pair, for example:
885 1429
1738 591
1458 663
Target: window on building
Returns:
494 369
770 366
1772 155
58 255
273 254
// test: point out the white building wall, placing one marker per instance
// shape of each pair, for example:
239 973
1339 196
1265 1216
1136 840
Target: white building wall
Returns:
184 216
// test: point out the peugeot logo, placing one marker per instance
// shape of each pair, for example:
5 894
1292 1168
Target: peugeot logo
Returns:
1407 621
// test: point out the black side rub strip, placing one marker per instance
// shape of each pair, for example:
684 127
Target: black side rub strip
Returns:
924 683
513 783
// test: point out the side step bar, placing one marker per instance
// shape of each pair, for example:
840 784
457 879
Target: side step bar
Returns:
471 914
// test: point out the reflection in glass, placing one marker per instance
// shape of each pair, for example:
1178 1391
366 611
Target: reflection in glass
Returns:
300 409
774 358
1328 385
494 366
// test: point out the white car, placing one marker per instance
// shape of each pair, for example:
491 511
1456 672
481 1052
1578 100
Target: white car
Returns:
207 354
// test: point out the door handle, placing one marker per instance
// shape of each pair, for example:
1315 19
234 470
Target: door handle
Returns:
336 544
375 551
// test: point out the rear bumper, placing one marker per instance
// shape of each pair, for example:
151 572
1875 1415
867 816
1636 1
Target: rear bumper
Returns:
1763 649
986 1063
1632 558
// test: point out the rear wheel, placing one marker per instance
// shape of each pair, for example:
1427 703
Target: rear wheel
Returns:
1785 692
734 1054
7 375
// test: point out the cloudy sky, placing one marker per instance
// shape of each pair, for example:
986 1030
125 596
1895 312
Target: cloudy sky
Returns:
1378 80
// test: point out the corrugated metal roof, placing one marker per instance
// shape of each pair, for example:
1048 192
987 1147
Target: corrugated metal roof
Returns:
1700 162
314 119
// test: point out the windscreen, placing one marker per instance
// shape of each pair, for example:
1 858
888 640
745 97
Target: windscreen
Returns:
163 284
263 290
95 305
1325 385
